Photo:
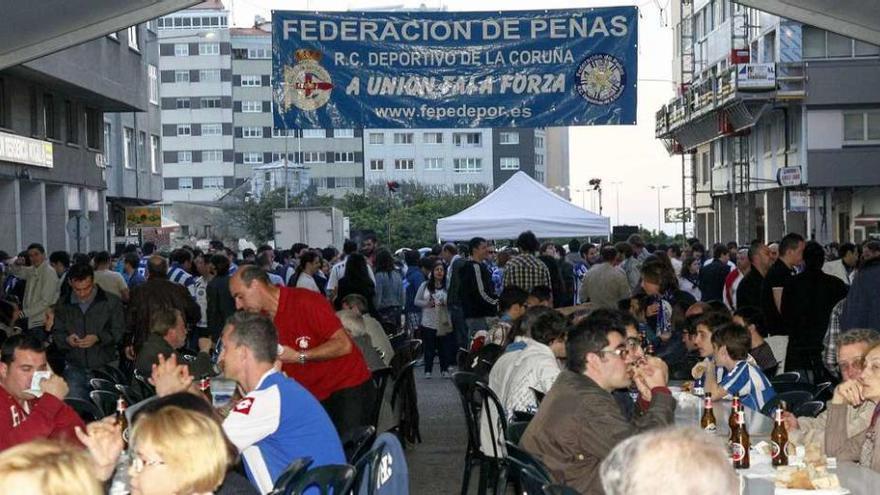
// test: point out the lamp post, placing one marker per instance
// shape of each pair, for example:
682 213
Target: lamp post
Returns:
659 210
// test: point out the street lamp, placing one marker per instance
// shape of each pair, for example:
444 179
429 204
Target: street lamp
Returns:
597 186
659 210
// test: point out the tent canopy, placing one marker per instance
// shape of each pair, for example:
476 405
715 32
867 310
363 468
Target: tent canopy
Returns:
522 204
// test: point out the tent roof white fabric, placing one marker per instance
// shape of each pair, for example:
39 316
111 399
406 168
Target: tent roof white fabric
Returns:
522 204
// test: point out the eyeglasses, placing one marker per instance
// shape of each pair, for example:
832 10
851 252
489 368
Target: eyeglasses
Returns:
857 364
620 352
138 463
633 343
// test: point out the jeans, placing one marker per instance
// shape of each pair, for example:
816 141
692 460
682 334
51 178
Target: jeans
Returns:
77 379
443 347
459 326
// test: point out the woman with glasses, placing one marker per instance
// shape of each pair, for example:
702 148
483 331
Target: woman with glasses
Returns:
864 447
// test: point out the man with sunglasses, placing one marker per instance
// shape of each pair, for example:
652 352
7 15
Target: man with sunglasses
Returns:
851 348
579 421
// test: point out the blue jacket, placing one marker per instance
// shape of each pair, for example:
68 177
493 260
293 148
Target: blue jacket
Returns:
862 308
414 279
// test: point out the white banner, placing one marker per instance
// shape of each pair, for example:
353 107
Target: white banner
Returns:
18 149
756 76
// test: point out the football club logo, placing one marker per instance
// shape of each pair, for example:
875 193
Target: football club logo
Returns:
244 405
307 85
303 342
601 79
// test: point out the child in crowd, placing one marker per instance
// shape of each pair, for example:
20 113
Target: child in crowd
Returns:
731 343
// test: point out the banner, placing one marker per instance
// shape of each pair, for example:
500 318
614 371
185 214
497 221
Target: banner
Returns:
454 69
143 216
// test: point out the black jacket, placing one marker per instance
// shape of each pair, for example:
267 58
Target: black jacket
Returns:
807 301
712 280
749 291
221 305
478 299
862 308
104 318
154 295
199 366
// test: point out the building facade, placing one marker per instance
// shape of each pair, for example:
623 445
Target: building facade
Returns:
52 144
776 125
558 175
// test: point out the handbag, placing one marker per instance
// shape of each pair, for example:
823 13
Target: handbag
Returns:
444 325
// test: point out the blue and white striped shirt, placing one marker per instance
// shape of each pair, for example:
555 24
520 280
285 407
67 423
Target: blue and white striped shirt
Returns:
180 276
750 383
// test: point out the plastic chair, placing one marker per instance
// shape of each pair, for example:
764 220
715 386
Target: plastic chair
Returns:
792 400
527 480
782 387
357 442
515 453
823 391
474 395
404 392
105 400
289 473
105 374
809 409
116 375
515 431
327 480
789 376
380 378
367 476
495 423
86 410
128 393
102 384
142 387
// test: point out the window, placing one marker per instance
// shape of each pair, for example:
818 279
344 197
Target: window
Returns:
539 176
539 159
433 164
212 129
377 138
314 157
4 113
278 133
184 157
181 76
108 140
50 116
133 37
281 157
253 157
154 84
251 106
344 157
819 43
127 155
314 133
212 183
251 81
182 103
510 163
466 188
377 165
213 102
861 127
467 139
403 138
209 48
94 121
343 133
212 156
433 138
346 182
181 50
209 75
185 183
539 142
403 164
467 165
142 147
72 122
509 138
252 132
259 53
767 138
154 154
184 130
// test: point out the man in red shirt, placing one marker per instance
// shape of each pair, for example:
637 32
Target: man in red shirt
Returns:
22 416
314 348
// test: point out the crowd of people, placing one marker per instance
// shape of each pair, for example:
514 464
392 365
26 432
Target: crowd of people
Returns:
597 330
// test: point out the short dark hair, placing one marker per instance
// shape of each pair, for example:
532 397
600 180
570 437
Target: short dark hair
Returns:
635 240
754 249
625 249
527 242
474 243
162 321
609 254
131 259
22 342
790 242
574 246
590 335
814 256
675 248
719 250
39 247
370 236
735 338
256 332
712 320
697 246
846 248
80 272
511 295
585 248
101 258
157 267
181 256
60 257
248 252
329 252
752 316
149 248
251 273
349 246
541 293
427 263
544 326
297 247
411 257
221 264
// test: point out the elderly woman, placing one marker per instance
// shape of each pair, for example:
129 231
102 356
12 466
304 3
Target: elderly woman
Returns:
863 448
48 468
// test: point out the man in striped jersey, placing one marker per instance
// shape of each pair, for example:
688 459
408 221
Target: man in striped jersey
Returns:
147 251
743 378
181 266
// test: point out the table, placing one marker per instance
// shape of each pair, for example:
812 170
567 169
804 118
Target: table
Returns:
689 410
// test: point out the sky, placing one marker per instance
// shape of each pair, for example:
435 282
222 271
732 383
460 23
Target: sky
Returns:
627 158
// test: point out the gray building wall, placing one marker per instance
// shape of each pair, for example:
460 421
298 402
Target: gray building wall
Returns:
843 82
524 151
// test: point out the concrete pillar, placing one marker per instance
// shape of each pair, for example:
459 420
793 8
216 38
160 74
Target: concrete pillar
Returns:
33 212
56 218
773 213
10 212
98 233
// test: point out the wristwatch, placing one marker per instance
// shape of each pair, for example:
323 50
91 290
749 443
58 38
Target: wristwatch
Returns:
301 357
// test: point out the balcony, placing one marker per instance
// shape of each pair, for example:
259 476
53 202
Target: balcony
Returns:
726 102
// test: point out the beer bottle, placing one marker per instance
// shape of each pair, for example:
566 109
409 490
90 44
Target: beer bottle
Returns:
779 439
731 420
741 443
707 422
205 387
121 420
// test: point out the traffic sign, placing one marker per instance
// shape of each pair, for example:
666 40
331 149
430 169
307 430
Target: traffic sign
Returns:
78 227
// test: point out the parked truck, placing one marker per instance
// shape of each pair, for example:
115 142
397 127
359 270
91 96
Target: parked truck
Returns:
316 226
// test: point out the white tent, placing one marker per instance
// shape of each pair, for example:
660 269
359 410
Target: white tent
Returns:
522 204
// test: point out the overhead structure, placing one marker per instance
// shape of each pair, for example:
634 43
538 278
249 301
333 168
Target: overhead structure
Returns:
522 204
28 31
859 19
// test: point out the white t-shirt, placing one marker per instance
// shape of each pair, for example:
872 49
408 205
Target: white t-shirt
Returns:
306 281
111 282
338 271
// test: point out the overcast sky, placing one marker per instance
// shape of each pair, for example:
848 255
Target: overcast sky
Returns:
626 154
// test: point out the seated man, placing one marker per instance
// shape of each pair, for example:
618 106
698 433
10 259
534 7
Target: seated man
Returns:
511 305
752 319
851 349
705 326
743 378
579 422
366 332
540 295
167 334
22 416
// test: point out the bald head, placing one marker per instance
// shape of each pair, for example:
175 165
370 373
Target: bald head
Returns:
252 290
157 267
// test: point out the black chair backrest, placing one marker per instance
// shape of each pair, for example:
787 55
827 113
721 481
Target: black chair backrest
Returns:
515 431
142 387
289 473
789 376
403 378
380 378
791 386
117 376
531 482
495 417
516 453
792 399
823 391
404 398
86 410
466 383
105 374
810 409
102 384
327 480
357 441
105 400
128 393
367 468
